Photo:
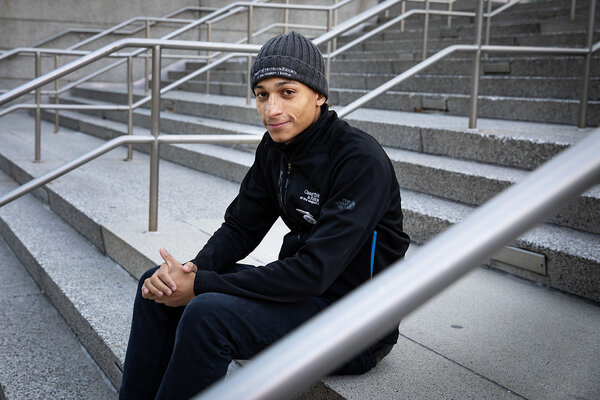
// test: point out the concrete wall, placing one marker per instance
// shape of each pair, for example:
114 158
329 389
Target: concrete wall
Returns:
25 22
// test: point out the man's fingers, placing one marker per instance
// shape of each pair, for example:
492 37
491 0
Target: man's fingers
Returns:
151 289
167 256
163 274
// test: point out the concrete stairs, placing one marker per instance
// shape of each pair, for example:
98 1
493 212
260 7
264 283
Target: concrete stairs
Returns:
492 335
97 216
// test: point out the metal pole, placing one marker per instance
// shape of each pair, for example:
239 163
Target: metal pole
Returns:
249 65
402 11
208 39
450 16
488 26
357 320
585 79
56 96
572 10
155 131
147 62
129 104
328 62
286 18
476 64
425 29
38 111
335 22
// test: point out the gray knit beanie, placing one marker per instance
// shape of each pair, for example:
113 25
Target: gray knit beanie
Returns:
291 56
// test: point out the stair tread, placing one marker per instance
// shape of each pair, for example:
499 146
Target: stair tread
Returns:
55 367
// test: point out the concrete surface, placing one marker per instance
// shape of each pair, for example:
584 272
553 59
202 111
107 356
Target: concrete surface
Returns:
40 357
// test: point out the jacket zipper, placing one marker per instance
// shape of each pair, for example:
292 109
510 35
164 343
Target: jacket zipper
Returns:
283 189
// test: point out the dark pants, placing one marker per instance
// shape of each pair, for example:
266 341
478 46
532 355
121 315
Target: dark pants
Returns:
174 353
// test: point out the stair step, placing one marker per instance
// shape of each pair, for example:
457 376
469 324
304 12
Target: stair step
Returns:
426 215
459 180
41 357
97 305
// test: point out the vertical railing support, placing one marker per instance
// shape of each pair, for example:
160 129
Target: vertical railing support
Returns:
425 29
147 64
286 19
450 16
155 131
476 64
328 62
56 96
249 65
38 110
402 11
208 39
129 104
572 10
587 64
488 25
335 22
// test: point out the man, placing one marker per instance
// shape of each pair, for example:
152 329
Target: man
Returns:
336 190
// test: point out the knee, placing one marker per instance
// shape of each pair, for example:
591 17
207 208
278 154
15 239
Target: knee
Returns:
204 313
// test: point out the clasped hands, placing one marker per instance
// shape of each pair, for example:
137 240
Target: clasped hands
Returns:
172 284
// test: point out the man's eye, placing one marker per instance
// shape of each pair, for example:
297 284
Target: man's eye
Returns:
288 92
260 95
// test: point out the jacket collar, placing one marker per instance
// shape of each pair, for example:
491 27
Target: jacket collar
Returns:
312 138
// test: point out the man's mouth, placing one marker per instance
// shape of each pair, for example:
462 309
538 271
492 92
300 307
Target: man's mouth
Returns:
276 125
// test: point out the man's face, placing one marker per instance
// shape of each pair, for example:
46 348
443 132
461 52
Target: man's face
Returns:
286 107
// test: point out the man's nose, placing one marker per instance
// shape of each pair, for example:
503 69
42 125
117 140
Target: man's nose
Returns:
273 107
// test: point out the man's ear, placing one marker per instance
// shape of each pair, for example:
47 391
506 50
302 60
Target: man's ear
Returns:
320 99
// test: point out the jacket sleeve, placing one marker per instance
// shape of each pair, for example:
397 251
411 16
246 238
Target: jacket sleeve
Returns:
247 220
359 197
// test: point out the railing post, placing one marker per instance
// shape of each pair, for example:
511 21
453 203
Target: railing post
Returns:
476 63
402 11
286 19
129 104
488 25
147 63
208 39
335 22
585 79
56 96
249 65
328 62
572 10
155 131
38 110
425 29
450 16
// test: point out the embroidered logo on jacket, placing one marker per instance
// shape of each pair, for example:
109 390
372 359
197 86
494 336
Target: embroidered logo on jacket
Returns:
310 197
345 204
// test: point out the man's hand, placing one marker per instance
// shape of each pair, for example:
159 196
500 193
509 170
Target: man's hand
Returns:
172 284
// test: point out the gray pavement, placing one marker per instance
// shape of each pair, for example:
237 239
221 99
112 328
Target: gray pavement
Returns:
40 357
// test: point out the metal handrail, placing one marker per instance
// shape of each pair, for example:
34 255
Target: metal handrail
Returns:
360 318
113 144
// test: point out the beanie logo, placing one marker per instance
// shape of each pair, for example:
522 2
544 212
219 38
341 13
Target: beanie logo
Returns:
267 72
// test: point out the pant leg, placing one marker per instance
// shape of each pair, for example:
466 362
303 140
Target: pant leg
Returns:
216 328
150 345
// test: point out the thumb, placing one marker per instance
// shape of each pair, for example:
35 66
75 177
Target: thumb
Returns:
190 267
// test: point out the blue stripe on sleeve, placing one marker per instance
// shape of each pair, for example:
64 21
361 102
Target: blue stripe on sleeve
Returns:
373 252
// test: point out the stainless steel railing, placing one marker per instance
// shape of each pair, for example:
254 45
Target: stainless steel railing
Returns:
359 319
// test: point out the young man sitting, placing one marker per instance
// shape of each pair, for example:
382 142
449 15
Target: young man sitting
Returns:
336 190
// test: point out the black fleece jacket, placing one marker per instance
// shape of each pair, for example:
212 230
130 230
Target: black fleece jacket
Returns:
335 188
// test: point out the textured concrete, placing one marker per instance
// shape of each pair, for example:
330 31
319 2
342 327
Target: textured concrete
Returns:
41 357
95 302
